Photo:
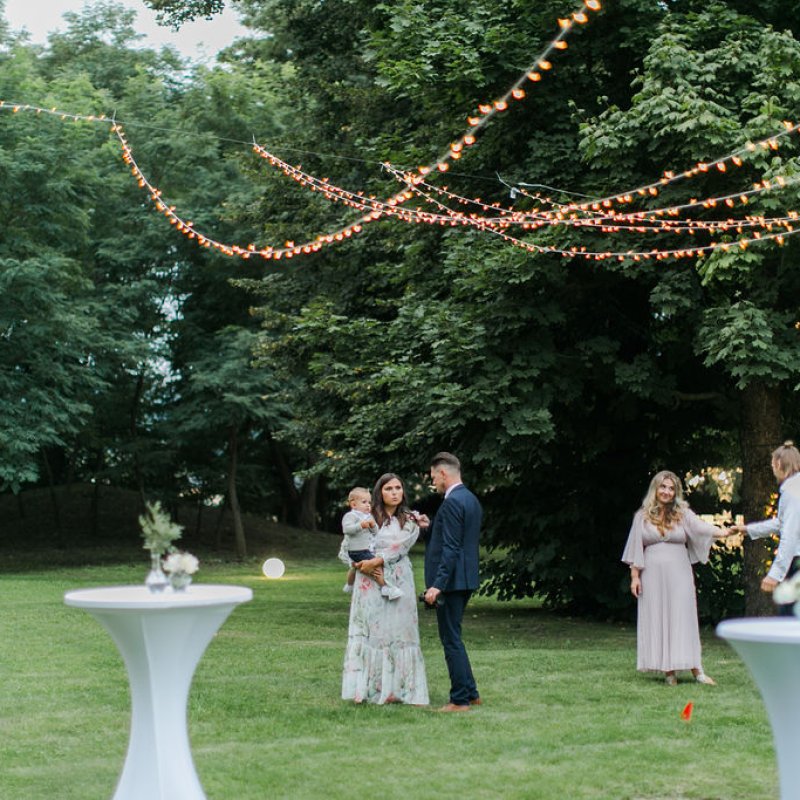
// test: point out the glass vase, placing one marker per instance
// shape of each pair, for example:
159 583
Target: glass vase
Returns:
156 581
179 581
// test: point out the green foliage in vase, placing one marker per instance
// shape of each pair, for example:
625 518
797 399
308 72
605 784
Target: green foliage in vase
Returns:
158 530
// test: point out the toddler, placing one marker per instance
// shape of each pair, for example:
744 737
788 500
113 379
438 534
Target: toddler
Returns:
359 529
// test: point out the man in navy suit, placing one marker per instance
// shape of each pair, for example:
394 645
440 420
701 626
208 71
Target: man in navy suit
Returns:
451 572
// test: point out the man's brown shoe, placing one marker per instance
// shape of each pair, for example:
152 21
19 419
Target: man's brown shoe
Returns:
453 707
476 701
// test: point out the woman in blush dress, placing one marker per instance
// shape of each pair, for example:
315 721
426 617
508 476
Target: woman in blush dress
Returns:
383 661
666 538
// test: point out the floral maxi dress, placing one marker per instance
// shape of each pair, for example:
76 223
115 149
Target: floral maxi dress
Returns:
667 632
383 660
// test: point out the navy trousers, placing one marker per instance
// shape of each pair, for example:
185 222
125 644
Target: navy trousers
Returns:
449 614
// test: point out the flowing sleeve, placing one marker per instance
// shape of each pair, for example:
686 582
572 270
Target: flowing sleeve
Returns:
342 556
633 553
699 536
394 549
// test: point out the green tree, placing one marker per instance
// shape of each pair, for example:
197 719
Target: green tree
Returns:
224 402
712 81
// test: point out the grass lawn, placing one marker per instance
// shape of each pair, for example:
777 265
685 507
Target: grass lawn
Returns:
565 715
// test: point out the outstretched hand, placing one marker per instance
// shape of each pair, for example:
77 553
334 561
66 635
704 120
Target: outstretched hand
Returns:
738 529
421 519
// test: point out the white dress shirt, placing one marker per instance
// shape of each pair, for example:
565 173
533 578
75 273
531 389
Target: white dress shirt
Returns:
786 524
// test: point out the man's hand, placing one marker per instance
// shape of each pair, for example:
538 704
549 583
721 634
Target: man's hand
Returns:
768 585
431 595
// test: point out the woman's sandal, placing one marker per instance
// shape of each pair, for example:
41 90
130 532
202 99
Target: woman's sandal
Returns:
671 680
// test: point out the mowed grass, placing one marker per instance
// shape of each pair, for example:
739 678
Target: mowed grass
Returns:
565 714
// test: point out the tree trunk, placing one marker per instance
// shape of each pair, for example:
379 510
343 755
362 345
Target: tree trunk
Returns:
198 520
308 504
291 497
95 505
301 504
233 498
220 519
53 500
23 526
94 510
132 427
760 435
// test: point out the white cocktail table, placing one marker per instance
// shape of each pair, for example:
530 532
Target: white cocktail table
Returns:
161 638
771 649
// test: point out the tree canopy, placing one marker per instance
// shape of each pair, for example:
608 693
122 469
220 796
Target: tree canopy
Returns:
135 357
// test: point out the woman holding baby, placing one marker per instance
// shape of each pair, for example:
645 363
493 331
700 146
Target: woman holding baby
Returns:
383 661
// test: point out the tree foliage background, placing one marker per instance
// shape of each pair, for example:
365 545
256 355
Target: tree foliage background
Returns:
132 357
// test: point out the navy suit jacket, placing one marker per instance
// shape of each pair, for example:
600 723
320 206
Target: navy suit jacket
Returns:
451 550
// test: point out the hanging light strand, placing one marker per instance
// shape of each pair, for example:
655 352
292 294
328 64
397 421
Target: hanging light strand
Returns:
533 74
720 164
642 222
601 255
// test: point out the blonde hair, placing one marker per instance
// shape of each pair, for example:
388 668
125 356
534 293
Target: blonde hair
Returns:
786 458
663 517
357 491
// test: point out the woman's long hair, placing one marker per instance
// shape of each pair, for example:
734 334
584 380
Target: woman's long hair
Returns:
379 509
664 517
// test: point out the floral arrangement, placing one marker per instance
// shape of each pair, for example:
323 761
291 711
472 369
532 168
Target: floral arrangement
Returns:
788 591
158 530
181 562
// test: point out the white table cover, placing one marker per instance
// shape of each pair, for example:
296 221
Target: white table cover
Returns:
771 649
161 638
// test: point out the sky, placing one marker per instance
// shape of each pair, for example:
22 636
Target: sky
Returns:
199 40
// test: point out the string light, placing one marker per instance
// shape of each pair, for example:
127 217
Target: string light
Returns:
516 92
594 214
441 165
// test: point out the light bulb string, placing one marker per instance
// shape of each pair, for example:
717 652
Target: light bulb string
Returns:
641 222
669 177
534 73
486 111
384 209
583 252
657 254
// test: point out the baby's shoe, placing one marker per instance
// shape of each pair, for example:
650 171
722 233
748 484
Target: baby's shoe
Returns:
347 589
391 592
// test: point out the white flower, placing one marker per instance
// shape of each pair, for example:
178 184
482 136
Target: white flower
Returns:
788 591
181 562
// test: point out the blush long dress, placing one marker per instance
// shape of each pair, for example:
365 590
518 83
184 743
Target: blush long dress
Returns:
667 631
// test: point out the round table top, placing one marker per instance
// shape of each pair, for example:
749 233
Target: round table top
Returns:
778 630
140 597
